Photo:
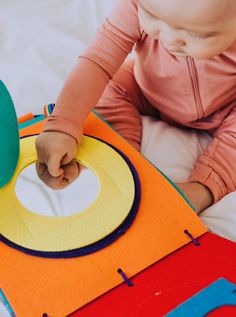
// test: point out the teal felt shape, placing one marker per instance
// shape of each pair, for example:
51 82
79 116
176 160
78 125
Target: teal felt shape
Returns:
6 304
9 136
218 294
32 121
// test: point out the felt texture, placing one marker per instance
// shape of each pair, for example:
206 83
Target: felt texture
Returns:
223 311
168 283
7 307
60 286
9 136
173 150
111 237
108 212
27 123
26 117
218 294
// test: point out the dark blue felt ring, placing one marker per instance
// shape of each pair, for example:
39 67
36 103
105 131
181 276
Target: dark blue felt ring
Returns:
103 242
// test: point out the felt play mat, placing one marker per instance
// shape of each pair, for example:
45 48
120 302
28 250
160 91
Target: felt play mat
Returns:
40 41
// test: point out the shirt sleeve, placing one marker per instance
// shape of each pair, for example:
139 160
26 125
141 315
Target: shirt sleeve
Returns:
105 54
216 168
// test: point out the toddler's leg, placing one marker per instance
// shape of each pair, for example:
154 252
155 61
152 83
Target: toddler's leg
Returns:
123 103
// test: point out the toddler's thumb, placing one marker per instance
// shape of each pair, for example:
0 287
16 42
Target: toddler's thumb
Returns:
53 164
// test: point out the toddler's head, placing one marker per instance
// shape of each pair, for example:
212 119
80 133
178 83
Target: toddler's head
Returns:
197 28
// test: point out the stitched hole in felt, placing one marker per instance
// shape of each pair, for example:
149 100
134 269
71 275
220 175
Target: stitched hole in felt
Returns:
39 198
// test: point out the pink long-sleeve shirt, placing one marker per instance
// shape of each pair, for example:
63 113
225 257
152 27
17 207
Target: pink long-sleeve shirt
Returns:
188 92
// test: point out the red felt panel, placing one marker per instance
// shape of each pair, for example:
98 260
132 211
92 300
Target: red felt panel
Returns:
224 311
169 282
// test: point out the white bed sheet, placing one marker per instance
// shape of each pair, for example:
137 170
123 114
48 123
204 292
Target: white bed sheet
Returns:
39 43
175 151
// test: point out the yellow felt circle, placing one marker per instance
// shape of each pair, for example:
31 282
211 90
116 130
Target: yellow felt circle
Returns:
43 233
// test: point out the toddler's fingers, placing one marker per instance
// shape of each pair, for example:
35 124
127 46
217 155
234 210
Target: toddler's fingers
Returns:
41 168
52 182
66 159
54 166
71 171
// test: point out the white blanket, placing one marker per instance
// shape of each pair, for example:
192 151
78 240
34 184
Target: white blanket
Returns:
39 43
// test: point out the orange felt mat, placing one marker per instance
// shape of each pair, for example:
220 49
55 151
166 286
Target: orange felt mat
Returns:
34 286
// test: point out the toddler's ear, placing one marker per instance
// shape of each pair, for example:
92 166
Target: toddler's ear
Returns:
9 136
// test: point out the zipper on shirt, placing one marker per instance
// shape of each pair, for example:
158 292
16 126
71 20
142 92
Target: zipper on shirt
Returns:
194 81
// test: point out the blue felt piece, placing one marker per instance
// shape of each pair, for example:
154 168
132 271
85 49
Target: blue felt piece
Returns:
32 121
9 136
6 304
218 294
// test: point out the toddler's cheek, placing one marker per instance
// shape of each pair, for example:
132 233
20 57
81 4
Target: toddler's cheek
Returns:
212 48
151 30
150 26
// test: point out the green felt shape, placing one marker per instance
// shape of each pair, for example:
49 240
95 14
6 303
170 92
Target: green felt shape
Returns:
9 136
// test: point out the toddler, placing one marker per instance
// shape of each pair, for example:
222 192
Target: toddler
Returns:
184 73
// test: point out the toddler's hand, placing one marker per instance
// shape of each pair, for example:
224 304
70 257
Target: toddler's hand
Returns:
198 195
55 166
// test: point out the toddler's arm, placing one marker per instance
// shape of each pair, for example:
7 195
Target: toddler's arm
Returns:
199 195
84 87
216 168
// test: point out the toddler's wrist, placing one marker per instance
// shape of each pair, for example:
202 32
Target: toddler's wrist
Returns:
205 196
